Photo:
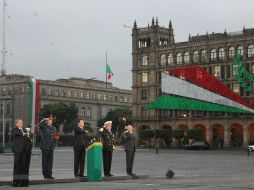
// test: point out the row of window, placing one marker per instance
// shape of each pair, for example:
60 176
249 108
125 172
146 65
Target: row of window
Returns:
74 94
201 56
83 95
221 71
180 114
14 91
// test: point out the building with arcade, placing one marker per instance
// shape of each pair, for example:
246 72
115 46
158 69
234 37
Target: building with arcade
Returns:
198 81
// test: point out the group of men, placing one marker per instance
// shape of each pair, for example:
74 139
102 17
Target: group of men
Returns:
105 135
22 147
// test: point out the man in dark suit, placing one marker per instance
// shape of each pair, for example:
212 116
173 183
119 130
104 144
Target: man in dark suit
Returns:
80 144
18 135
129 141
47 146
108 147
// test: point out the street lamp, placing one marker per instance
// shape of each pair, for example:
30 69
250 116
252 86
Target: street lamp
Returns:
185 117
3 126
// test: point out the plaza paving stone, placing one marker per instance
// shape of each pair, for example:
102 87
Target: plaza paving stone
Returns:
197 170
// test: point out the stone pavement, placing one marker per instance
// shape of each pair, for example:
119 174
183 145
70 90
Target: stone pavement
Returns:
193 170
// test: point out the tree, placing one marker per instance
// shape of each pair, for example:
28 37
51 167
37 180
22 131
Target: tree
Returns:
120 117
194 134
146 133
63 114
162 133
178 134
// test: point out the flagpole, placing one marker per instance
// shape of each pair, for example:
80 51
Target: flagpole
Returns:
106 69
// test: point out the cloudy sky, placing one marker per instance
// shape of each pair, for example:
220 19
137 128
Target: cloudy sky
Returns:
51 39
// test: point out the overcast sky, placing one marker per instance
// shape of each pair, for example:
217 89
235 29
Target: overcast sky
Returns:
52 39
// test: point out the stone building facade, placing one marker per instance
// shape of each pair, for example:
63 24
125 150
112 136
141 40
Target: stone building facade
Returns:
154 50
93 98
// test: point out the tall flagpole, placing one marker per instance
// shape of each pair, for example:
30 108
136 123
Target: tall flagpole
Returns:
106 69
3 72
3 127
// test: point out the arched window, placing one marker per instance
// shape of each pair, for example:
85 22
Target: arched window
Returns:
195 56
240 50
170 59
213 54
231 52
179 58
221 54
251 50
203 55
163 59
186 57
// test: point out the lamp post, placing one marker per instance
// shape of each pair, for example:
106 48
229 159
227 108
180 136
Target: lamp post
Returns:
3 127
185 117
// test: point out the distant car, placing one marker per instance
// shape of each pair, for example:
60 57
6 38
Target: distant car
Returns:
198 145
251 148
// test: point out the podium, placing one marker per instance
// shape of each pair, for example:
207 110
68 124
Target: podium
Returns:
94 162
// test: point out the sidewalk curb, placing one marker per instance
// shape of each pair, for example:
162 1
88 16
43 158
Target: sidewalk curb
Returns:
73 180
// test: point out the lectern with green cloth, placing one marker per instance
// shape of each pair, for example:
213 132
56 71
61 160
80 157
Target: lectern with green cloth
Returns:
94 162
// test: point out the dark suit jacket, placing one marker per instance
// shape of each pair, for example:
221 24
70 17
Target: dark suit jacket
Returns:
18 140
28 144
81 138
47 136
129 140
107 140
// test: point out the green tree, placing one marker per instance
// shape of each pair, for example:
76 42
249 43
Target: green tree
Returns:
178 134
120 117
162 133
63 114
194 134
146 134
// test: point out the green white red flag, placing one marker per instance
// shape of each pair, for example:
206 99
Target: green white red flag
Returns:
34 104
109 72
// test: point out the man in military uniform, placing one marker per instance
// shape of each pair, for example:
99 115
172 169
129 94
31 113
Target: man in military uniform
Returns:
80 144
129 141
108 146
20 179
48 132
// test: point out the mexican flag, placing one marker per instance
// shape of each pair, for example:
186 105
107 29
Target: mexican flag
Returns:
109 72
193 88
34 104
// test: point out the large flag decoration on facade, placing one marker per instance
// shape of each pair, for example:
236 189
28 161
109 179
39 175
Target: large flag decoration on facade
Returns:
109 72
34 103
193 88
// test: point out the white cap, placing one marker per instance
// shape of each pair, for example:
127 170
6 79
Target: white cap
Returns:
107 123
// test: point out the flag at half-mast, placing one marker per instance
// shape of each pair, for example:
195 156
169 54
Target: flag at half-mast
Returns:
109 72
